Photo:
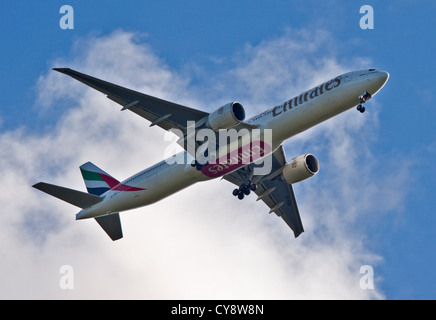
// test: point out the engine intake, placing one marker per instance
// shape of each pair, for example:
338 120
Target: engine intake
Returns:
227 116
300 168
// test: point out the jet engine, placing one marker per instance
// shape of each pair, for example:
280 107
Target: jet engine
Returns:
300 168
227 116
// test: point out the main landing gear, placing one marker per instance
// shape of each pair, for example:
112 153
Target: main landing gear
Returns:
363 98
244 189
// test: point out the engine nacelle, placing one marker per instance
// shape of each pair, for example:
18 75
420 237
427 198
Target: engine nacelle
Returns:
300 168
227 116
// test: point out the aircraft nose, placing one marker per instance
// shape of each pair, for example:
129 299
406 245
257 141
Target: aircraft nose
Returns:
378 79
383 76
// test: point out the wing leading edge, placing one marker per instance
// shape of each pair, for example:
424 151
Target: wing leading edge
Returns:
162 113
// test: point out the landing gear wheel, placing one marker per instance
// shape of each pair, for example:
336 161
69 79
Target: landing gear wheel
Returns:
245 185
244 189
361 108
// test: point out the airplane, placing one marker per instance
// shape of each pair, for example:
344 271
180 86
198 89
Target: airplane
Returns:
239 162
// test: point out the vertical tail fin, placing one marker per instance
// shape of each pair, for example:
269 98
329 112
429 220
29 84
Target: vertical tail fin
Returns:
96 180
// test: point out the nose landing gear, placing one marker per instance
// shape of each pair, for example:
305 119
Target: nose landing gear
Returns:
363 98
361 108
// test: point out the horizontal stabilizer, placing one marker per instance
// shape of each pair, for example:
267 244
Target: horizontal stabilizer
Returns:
77 198
111 224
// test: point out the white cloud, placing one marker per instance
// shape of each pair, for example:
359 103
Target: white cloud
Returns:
275 70
200 243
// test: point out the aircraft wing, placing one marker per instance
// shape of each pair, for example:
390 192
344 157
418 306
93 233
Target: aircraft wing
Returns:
274 191
164 114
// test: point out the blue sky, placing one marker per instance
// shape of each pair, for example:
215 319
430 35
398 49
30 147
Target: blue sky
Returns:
217 51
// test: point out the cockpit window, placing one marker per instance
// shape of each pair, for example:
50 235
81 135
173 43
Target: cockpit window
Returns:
371 69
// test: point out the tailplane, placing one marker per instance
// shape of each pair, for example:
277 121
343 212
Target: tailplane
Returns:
111 224
77 198
97 182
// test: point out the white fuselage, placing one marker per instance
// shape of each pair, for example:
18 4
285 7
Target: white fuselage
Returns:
285 121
